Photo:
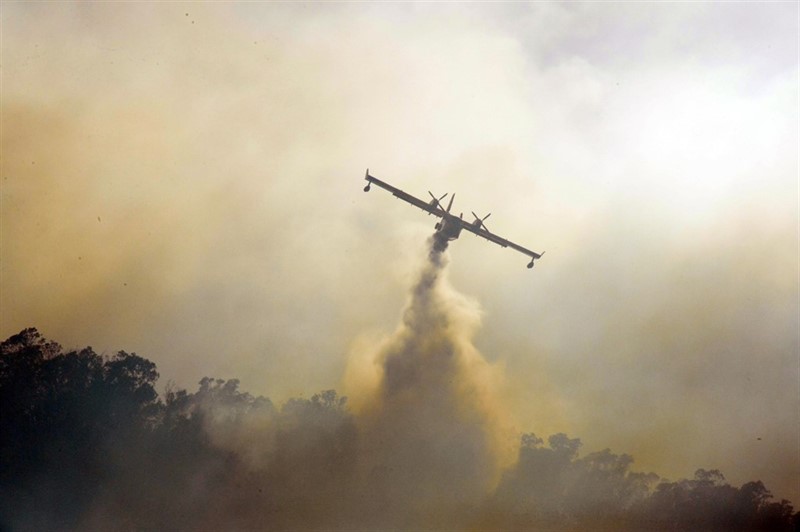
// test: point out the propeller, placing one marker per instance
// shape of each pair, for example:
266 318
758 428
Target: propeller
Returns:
480 220
436 201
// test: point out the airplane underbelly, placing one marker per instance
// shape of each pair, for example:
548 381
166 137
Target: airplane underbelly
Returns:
452 231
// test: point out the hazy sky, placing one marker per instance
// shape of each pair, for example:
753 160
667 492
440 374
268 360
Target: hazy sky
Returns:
184 181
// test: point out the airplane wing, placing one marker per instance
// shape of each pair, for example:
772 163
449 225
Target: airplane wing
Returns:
480 231
427 207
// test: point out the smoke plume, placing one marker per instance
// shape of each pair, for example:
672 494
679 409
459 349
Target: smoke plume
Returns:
86 443
431 434
181 180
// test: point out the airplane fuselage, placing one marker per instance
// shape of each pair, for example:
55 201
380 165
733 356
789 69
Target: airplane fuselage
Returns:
449 226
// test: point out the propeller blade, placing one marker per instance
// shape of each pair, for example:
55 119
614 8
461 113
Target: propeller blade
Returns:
480 220
437 200
451 202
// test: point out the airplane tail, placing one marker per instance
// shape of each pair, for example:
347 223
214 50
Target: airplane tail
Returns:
451 202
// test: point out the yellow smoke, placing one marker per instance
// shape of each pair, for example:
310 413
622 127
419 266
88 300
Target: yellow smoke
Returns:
435 436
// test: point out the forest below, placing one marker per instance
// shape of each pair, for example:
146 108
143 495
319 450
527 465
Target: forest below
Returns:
88 443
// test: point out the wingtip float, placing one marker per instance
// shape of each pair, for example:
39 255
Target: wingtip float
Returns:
450 225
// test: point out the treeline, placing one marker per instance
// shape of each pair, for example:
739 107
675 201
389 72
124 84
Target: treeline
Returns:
87 443
552 488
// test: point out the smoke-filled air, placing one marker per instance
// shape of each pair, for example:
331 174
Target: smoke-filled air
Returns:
274 349
432 427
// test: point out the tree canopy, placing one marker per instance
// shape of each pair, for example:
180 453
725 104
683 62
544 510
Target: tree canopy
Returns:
87 442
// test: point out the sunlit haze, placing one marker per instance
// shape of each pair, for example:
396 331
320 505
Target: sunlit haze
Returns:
185 181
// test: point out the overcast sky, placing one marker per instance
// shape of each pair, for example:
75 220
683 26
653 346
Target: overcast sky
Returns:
184 181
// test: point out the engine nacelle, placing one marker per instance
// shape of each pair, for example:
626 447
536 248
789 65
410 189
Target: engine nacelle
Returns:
366 188
530 264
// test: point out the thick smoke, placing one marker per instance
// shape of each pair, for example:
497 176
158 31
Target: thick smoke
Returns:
431 434
182 182
425 453
170 184
86 443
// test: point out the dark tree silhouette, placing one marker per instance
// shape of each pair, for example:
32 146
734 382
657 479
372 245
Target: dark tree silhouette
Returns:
553 488
86 443
708 502
79 433
63 412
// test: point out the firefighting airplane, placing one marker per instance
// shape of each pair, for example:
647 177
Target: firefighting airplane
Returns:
451 225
